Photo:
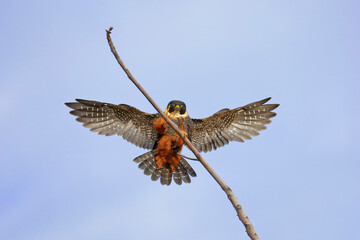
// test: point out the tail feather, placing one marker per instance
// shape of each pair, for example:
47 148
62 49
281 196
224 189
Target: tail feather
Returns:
183 173
145 156
166 176
177 178
156 175
187 166
149 170
147 162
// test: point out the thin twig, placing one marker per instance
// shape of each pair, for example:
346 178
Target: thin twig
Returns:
240 212
194 159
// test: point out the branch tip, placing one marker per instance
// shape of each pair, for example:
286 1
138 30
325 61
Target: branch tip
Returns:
108 32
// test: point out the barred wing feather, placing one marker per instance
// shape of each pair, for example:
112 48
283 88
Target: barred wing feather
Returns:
109 119
227 125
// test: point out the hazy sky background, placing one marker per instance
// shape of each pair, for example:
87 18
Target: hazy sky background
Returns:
298 180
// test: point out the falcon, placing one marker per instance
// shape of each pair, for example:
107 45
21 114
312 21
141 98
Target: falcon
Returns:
150 131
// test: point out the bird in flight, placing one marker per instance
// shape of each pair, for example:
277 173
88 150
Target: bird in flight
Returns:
150 131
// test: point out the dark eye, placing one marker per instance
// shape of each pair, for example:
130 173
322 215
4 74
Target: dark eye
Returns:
182 110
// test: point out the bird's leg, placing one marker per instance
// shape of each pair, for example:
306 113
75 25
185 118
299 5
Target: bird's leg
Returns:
182 129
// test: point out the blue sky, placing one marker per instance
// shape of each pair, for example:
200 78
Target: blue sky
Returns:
299 179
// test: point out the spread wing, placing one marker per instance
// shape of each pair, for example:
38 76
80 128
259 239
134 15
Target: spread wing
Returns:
231 125
108 119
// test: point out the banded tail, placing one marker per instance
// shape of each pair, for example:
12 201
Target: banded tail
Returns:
181 174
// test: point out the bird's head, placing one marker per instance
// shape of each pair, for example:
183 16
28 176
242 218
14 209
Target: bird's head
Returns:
176 109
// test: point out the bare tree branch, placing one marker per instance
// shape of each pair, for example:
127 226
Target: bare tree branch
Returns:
240 212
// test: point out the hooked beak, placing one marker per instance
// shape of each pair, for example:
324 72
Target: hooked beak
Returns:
176 111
